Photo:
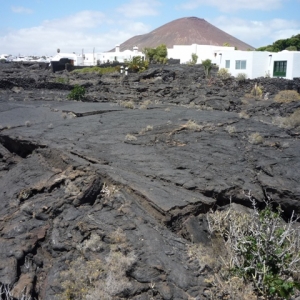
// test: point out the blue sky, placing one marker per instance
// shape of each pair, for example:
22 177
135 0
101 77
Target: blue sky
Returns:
39 27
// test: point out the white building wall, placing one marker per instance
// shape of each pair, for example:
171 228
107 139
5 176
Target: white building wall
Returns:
90 59
296 65
233 56
260 64
184 52
257 63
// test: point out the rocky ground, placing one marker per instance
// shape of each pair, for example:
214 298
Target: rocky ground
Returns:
116 189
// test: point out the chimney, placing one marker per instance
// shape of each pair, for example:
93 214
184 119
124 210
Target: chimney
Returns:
117 49
135 49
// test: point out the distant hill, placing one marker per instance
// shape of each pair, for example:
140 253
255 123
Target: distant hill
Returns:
185 31
292 43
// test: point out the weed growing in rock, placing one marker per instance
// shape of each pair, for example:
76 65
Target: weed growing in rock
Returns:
6 293
98 279
130 137
77 93
230 129
62 80
291 121
287 96
255 138
241 77
148 128
256 91
243 115
145 104
192 125
127 104
263 250
223 74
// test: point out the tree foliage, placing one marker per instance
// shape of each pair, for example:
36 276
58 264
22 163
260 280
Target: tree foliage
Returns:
156 55
292 44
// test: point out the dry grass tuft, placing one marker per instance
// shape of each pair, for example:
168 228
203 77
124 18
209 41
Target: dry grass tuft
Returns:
148 128
243 115
118 236
287 96
97 279
291 121
230 129
130 137
255 138
192 125
127 104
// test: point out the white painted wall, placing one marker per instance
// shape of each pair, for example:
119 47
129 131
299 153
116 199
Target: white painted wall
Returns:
184 52
258 64
296 65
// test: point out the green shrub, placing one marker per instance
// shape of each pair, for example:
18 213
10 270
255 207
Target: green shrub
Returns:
77 93
223 73
287 96
194 59
138 64
264 250
207 67
158 54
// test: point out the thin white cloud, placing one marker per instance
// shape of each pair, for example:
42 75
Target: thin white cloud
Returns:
258 33
233 5
81 20
139 8
21 10
84 30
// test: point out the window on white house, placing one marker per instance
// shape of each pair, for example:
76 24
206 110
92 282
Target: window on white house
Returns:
240 64
280 68
227 64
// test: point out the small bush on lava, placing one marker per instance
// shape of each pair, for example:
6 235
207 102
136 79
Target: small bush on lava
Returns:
77 93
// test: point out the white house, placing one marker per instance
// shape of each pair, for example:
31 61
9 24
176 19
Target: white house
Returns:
120 56
92 59
254 64
285 64
184 52
74 59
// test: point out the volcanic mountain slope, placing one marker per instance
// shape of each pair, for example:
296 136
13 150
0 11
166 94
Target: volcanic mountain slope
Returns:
184 31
